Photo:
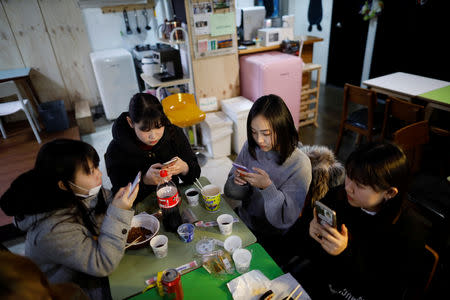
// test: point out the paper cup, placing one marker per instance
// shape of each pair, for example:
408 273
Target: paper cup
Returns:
159 245
232 243
192 196
211 197
225 223
186 232
242 259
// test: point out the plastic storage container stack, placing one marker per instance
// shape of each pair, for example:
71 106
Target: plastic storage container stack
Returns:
216 134
237 109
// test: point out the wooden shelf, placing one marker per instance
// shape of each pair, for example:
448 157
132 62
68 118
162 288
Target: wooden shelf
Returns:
153 82
306 41
128 7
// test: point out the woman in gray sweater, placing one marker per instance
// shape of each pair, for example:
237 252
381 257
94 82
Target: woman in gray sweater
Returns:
76 232
274 189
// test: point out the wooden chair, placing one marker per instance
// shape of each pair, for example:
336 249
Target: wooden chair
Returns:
364 121
399 113
411 139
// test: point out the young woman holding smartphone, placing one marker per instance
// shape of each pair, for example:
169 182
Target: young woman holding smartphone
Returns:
76 231
143 140
273 193
377 249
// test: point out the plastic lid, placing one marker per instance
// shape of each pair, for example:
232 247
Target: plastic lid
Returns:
218 120
237 105
163 173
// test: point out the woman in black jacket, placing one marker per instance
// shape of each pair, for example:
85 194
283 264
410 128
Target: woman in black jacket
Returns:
143 139
376 251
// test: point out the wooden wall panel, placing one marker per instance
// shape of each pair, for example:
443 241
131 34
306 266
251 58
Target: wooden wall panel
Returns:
9 52
216 76
70 43
34 44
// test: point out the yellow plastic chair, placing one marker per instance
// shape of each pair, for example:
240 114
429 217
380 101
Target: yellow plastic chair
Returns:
182 111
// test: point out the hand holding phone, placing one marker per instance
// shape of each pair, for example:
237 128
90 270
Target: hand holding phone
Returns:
135 183
170 163
241 168
325 214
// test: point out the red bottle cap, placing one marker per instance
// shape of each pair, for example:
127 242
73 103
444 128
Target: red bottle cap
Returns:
163 173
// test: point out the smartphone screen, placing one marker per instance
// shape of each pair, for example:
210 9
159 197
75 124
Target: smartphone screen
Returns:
241 168
135 183
325 214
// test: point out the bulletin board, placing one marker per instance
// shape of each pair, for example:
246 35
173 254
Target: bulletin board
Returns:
213 27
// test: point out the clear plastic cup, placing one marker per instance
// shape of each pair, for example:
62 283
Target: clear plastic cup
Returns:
242 259
232 243
159 245
225 222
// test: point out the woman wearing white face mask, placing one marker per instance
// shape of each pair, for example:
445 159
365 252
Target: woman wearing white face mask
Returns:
76 232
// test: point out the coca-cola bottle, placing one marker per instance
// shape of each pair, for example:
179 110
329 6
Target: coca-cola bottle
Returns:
168 200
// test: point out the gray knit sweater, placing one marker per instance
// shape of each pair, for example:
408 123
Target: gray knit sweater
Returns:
276 208
66 251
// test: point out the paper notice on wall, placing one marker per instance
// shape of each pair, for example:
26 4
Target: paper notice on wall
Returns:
222 24
202 13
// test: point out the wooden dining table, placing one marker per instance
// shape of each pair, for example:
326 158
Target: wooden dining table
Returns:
139 265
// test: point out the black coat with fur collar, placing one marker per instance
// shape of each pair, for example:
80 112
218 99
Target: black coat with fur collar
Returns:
124 157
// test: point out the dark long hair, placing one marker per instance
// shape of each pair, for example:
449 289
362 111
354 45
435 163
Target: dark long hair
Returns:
147 108
58 160
380 165
273 108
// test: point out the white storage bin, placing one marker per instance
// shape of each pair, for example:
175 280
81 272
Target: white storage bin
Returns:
216 134
237 109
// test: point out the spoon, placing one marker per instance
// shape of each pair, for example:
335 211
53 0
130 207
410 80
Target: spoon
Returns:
138 29
144 12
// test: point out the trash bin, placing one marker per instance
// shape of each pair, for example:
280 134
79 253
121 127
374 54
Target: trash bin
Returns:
53 115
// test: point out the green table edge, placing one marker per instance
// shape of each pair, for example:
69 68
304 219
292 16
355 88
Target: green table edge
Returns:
199 284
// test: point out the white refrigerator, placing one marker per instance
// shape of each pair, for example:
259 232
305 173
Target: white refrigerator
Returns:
116 79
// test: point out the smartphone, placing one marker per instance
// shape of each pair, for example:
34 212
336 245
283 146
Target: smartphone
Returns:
241 168
135 183
325 214
169 163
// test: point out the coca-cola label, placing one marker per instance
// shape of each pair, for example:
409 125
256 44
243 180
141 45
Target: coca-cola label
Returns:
166 201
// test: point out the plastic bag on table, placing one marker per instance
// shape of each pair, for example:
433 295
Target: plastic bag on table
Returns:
249 286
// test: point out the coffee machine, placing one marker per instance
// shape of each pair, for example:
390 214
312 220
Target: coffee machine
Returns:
169 61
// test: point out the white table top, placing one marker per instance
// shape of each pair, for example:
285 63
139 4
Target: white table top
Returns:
404 83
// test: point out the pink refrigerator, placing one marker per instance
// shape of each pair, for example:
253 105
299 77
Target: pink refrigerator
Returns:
273 73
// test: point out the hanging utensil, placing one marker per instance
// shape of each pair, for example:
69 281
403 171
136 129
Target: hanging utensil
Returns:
138 29
144 12
127 24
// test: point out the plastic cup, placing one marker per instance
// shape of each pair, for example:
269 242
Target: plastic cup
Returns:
232 243
159 245
186 232
242 259
192 196
211 197
225 222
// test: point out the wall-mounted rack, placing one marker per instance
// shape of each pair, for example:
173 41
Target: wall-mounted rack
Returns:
128 7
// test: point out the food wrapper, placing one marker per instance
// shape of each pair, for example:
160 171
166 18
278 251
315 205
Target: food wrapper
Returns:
249 286
218 262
